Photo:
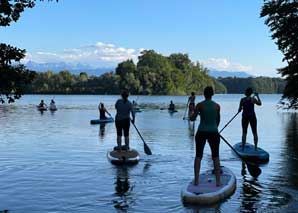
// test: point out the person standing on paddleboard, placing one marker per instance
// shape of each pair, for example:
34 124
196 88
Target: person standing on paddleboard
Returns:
209 112
248 115
191 104
124 108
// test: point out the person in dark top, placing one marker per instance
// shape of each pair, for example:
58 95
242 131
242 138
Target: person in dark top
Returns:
124 108
191 104
171 106
248 115
209 112
102 111
42 104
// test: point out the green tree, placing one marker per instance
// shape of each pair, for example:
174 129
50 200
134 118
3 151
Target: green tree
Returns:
282 19
13 78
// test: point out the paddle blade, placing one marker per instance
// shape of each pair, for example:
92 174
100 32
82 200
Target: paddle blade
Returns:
147 149
253 169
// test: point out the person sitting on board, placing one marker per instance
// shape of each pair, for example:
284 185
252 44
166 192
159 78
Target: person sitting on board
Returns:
209 112
102 111
52 103
172 106
123 110
41 104
248 115
191 104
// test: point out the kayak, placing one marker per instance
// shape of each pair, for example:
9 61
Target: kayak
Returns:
172 111
119 157
207 193
249 153
102 121
43 108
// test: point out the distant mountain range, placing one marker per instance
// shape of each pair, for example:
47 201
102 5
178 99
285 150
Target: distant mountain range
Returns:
73 68
79 67
224 74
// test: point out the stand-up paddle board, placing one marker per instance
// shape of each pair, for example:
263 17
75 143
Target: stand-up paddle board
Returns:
206 192
250 154
119 157
102 121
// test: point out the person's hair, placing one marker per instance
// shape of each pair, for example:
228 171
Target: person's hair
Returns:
208 92
192 93
248 91
101 105
124 94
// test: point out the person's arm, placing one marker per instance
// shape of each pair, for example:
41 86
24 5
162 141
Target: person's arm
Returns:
194 115
133 113
240 106
257 99
218 115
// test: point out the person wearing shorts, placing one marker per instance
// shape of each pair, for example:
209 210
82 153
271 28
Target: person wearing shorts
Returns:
209 112
248 115
122 120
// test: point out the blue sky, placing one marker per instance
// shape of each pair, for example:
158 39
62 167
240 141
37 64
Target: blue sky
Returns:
221 34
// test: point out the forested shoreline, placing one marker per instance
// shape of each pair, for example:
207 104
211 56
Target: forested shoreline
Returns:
154 74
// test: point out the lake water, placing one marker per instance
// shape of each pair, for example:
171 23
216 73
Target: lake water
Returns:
56 162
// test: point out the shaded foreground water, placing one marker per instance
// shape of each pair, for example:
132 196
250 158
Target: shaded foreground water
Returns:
56 162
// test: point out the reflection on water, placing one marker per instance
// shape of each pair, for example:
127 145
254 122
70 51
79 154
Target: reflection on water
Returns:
291 150
123 188
102 128
56 162
250 192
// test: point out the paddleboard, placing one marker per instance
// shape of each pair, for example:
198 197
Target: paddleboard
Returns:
249 153
206 192
172 111
102 121
120 157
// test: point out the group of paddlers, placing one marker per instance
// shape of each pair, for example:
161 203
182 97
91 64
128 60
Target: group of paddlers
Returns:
209 112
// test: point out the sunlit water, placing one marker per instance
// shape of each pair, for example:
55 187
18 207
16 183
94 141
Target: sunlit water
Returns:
56 162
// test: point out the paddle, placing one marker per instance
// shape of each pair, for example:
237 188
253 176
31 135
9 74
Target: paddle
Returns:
253 169
185 110
146 147
229 122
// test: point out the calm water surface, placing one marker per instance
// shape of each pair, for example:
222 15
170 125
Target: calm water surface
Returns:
56 162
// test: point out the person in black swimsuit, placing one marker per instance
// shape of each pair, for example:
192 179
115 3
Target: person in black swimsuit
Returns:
102 111
248 115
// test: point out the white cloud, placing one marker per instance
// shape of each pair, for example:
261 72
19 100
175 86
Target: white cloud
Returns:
97 54
225 64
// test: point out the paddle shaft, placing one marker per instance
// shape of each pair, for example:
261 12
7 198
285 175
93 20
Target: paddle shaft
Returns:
252 168
185 110
146 147
229 122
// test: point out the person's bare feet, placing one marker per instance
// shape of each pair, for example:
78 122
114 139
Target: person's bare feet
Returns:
218 184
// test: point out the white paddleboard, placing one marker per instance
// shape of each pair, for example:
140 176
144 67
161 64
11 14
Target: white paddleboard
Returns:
206 192
123 156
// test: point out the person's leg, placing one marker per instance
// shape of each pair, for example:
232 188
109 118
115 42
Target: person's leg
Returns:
126 132
244 131
214 140
253 125
200 143
119 133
